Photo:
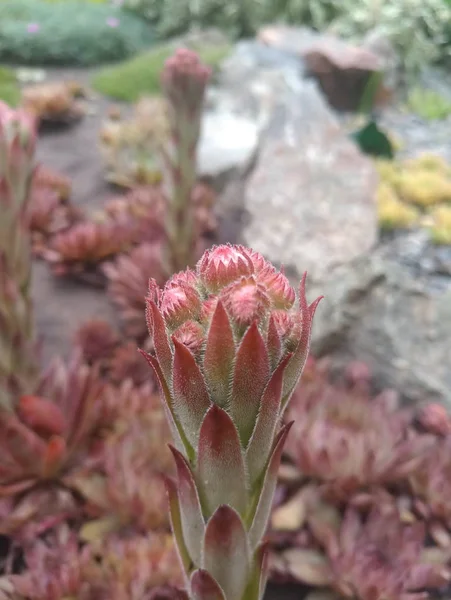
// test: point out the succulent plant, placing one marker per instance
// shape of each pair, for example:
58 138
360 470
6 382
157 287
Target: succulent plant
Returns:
431 482
127 363
52 429
230 342
128 279
44 177
136 568
184 81
363 558
18 366
86 244
348 440
55 567
127 490
53 102
393 213
97 340
131 147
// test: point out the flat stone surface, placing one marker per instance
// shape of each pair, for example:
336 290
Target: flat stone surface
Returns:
311 196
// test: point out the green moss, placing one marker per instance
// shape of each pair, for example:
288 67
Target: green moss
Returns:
9 88
428 104
140 75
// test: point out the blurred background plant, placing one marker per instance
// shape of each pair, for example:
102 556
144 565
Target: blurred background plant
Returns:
68 33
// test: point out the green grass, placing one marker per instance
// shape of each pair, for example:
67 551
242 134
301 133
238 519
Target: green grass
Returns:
428 104
9 88
140 75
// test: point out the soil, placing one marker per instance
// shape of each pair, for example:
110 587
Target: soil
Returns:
61 305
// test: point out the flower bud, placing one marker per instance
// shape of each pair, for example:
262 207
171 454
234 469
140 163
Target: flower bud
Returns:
246 301
222 265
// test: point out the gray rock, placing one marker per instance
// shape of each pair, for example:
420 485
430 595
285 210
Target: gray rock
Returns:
227 145
394 317
253 79
311 197
342 69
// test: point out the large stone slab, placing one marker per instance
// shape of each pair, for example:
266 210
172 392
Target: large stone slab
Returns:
392 309
311 196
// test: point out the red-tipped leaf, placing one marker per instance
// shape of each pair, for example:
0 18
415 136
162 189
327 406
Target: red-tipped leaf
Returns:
295 367
249 380
220 470
160 340
263 511
190 396
178 436
204 587
219 356
268 419
192 522
226 554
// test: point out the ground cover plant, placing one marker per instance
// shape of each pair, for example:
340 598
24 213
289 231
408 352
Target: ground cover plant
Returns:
68 33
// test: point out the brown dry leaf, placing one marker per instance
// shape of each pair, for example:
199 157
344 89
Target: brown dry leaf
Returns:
290 516
308 566
96 530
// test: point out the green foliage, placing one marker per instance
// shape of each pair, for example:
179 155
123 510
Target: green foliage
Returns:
373 141
141 74
72 32
428 104
420 30
9 88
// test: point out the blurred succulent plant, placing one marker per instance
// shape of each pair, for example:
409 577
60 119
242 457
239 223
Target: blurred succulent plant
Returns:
55 568
97 340
348 440
128 491
131 148
136 568
18 366
230 344
127 363
44 177
53 102
52 429
86 244
128 279
431 482
184 80
364 558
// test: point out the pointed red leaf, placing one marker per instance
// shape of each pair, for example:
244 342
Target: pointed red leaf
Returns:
193 525
55 454
268 418
219 356
176 525
220 462
190 397
263 510
204 587
175 428
249 380
295 367
160 340
274 343
226 553
41 415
